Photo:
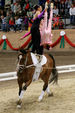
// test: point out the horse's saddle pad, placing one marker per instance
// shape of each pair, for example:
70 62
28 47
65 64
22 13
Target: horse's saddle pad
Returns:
36 58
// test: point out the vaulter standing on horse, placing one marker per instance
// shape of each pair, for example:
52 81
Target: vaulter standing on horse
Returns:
35 32
41 30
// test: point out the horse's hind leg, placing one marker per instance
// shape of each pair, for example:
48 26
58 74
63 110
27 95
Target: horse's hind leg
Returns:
48 92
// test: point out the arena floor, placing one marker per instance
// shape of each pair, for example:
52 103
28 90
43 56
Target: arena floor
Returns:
63 100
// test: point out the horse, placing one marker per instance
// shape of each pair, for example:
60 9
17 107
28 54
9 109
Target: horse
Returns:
25 72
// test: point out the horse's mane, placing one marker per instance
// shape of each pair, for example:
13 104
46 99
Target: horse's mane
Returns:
23 51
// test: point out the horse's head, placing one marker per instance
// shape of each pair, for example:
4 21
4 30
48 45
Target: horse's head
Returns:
22 60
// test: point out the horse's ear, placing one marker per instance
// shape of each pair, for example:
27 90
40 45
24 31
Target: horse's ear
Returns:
23 51
28 50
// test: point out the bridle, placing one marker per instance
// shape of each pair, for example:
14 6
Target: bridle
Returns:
24 66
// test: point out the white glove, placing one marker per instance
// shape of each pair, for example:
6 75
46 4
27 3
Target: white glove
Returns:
46 5
52 5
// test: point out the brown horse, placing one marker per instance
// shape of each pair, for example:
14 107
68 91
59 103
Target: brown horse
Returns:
26 71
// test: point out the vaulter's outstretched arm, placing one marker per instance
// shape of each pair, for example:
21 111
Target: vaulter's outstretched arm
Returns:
39 16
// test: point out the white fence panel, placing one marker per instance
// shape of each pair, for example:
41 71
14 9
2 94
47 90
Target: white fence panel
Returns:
61 69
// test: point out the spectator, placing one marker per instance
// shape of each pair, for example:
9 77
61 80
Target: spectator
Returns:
11 13
3 23
72 14
42 2
12 7
0 23
55 10
30 16
26 22
62 8
68 5
18 23
12 24
22 2
29 13
26 6
20 13
7 18
57 3
55 21
17 8
2 12
61 24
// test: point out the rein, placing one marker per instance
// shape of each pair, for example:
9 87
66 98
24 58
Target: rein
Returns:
24 65
29 66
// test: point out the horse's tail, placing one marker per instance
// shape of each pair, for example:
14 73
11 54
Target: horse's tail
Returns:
54 72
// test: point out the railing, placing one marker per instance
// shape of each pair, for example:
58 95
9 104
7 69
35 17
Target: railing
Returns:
61 69
8 76
66 68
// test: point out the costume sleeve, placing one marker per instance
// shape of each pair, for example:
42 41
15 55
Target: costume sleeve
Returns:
45 20
50 21
44 24
33 20
39 16
43 28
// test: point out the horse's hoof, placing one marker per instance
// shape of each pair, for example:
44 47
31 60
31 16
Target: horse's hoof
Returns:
19 106
39 99
19 103
50 95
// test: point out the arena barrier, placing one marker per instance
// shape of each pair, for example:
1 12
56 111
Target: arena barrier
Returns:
62 36
8 76
61 69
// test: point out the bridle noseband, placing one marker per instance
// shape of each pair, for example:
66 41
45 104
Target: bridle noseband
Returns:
24 66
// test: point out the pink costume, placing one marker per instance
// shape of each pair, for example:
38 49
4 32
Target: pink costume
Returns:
45 31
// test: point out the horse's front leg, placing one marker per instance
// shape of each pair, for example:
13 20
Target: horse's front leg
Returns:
20 96
24 89
27 84
21 92
43 91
